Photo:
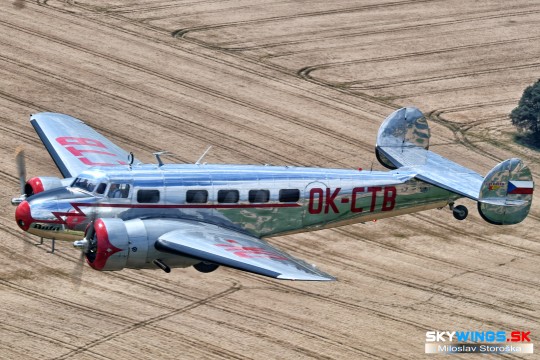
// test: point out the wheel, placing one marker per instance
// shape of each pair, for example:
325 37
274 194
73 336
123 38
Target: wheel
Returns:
460 212
205 267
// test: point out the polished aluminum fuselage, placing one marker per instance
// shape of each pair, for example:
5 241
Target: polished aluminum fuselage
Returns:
327 198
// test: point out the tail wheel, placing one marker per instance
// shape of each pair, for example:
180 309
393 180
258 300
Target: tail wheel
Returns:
460 212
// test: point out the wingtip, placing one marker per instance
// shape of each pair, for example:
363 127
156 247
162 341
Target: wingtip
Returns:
306 278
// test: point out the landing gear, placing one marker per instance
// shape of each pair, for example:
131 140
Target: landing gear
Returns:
53 245
205 267
460 212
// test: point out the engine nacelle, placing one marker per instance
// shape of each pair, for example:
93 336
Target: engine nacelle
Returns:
39 184
115 244
108 244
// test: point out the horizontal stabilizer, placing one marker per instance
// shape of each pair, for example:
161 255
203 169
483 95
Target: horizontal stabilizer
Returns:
403 140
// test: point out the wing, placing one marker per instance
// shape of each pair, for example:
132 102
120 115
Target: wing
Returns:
236 250
73 145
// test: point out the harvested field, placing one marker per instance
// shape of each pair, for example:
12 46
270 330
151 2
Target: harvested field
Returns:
287 82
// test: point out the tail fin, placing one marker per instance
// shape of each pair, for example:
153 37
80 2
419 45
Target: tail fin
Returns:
403 130
506 193
504 196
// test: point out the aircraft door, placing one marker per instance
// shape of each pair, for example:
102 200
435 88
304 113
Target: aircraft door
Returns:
313 204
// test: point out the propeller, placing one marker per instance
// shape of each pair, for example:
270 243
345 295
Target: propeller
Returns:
76 277
21 167
88 247
21 172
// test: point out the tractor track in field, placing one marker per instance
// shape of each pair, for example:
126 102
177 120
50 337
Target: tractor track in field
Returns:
425 79
14 130
356 235
221 332
129 324
411 95
180 51
314 36
125 323
175 123
433 289
460 132
356 307
307 14
226 122
9 177
350 263
179 127
351 85
43 337
229 306
209 348
176 119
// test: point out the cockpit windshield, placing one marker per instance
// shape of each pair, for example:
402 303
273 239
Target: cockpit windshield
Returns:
84 184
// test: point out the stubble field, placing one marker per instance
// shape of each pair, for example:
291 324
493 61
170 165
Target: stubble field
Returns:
286 82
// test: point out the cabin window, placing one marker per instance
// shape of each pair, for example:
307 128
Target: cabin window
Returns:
118 191
101 188
289 195
197 196
259 196
148 196
228 196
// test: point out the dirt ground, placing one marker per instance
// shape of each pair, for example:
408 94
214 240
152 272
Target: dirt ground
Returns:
282 82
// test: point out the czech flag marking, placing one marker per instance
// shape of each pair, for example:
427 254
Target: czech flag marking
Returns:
520 187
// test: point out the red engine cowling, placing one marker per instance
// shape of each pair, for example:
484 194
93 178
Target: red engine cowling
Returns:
114 244
108 244
39 184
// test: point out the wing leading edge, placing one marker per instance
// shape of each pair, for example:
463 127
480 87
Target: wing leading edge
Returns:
73 145
437 170
236 250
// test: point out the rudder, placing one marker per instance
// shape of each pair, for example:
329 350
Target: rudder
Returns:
506 193
406 128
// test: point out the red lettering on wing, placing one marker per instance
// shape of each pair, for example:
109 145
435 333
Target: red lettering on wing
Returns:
69 143
70 140
91 163
250 252
78 152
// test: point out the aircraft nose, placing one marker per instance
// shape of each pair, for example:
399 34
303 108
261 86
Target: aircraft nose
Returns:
23 216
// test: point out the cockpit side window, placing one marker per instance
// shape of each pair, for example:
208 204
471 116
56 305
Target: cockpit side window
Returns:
118 191
101 188
84 184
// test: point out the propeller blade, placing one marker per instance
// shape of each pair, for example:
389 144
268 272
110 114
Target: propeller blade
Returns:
76 277
21 167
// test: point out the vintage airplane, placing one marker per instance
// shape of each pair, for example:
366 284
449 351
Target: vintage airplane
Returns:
138 216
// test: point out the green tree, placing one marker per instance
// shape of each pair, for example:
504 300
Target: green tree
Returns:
526 116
